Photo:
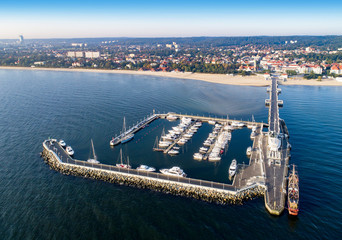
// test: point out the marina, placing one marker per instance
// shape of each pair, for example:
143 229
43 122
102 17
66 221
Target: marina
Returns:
265 173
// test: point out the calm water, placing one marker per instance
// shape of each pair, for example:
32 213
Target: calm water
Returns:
39 203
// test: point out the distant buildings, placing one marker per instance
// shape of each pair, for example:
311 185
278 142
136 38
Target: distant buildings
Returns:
21 39
81 54
336 68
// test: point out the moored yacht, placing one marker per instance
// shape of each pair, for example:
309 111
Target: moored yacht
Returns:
121 164
62 143
211 122
174 171
94 159
69 151
146 168
232 168
203 149
173 152
198 156
249 151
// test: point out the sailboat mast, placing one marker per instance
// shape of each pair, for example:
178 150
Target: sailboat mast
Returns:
124 126
121 155
92 145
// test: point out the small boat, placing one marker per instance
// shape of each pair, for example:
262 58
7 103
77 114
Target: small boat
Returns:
146 168
293 193
198 124
171 117
174 171
253 134
203 150
94 159
164 143
249 151
176 148
212 122
121 164
181 141
69 151
198 156
173 152
213 157
62 143
232 168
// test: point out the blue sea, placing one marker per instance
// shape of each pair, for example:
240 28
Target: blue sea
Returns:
39 203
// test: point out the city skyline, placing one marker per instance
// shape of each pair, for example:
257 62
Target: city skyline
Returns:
41 19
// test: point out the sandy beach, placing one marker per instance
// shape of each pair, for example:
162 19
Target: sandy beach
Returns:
256 80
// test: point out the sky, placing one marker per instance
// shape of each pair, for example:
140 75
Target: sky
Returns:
175 18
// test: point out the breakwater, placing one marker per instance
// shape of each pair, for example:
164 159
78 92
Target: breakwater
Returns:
208 194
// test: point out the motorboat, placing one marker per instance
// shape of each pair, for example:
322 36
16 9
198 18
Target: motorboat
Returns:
198 124
94 159
198 156
211 122
203 150
181 141
173 152
146 168
174 171
164 143
232 168
62 143
249 151
69 151
214 157
171 117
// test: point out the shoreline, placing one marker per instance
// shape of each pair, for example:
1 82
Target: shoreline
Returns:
254 80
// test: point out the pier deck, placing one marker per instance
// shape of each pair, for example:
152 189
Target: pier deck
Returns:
275 161
253 173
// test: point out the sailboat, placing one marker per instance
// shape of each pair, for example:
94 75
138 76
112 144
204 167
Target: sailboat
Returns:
94 159
127 136
121 164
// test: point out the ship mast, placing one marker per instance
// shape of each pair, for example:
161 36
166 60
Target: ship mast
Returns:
92 145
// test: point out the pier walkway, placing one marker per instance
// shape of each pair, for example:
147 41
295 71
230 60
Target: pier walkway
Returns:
276 154
60 154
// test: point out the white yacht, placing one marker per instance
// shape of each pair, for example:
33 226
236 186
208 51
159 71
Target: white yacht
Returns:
232 168
212 122
181 141
198 156
203 150
164 143
94 159
146 168
171 117
214 157
249 151
62 143
69 151
174 171
198 124
173 152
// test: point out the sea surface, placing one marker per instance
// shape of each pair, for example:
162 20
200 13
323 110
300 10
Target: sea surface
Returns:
39 203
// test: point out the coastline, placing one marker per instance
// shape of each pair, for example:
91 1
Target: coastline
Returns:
255 80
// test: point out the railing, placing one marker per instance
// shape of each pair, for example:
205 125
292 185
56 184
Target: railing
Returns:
197 182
